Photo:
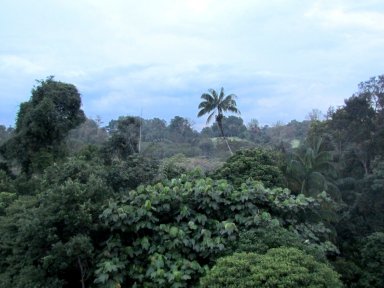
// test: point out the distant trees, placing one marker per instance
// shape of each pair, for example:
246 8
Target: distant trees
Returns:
216 105
124 137
233 127
105 215
180 130
154 130
88 133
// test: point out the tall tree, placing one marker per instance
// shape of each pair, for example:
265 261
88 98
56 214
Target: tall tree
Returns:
42 124
216 104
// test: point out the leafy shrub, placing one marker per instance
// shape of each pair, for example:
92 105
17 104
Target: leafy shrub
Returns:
256 164
134 171
261 239
279 267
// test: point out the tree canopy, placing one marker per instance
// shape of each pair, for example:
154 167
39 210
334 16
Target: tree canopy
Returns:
42 124
146 203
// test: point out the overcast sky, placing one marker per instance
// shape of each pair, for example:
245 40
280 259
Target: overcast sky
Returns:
156 57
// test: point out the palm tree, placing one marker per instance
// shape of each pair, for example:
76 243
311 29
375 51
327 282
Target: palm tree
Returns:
313 169
216 104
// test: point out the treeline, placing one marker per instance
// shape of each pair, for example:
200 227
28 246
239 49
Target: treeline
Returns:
146 203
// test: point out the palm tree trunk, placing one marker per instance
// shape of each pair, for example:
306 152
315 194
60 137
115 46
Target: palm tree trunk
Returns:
225 138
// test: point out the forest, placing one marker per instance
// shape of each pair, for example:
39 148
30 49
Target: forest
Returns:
147 203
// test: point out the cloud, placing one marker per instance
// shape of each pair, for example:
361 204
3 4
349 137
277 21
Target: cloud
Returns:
17 64
281 58
344 17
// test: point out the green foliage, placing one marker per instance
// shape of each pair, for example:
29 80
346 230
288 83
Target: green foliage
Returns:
256 164
172 167
366 205
233 127
154 130
206 147
166 234
261 239
369 209
134 171
311 170
162 150
279 267
179 164
6 183
52 234
356 129
88 133
42 124
372 260
284 137
6 198
5 133
180 131
349 271
124 140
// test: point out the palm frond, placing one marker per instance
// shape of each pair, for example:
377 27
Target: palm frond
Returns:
205 110
233 110
207 97
210 117
213 93
221 96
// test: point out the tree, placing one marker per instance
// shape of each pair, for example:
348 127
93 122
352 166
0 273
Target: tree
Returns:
51 237
42 124
256 164
312 169
180 130
216 104
269 236
136 170
356 132
372 258
279 267
154 130
233 126
88 133
124 140
165 235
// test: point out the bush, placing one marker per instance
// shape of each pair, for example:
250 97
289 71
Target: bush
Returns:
279 267
256 164
262 239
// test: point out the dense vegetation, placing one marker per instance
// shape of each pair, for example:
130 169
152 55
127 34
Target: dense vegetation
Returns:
146 203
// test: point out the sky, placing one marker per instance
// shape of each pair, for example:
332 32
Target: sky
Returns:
154 58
